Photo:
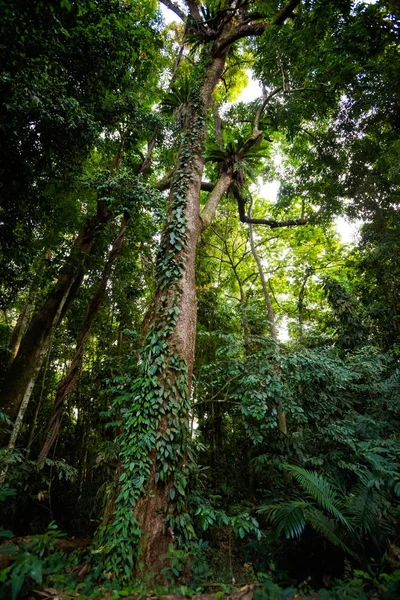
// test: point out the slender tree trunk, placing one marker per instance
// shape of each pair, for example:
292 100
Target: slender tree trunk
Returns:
281 416
31 383
70 379
20 327
27 363
38 406
26 312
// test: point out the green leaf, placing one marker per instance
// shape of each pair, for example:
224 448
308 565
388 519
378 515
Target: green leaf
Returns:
319 489
289 517
17 582
36 569
327 528
6 533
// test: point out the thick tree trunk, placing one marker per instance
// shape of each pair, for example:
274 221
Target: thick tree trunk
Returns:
153 442
30 355
184 198
68 383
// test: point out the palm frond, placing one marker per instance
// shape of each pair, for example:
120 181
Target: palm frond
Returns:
320 490
326 527
288 517
363 508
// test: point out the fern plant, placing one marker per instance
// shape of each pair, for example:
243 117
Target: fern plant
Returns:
176 100
234 155
291 518
329 511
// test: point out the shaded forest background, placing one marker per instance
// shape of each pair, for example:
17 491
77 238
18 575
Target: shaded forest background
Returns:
264 449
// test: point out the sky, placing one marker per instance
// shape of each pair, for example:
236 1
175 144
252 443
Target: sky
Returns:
348 231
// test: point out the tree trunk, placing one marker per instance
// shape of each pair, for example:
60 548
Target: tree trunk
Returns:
46 347
281 416
180 292
156 424
20 327
26 312
153 443
68 383
30 355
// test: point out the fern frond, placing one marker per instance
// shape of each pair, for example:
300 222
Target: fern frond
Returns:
178 96
288 517
319 489
326 527
363 508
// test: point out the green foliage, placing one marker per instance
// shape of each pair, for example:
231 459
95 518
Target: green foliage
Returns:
86 127
319 490
36 560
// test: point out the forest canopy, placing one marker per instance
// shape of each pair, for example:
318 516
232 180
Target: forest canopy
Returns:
199 377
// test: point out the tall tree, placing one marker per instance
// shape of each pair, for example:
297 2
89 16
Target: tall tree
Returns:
154 440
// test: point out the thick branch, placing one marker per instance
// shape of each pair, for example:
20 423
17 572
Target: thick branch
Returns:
286 12
175 8
246 29
150 147
194 10
165 184
209 210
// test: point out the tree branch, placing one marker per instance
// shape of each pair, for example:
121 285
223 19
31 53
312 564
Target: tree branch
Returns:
194 11
217 123
261 108
165 184
255 29
175 8
272 223
209 210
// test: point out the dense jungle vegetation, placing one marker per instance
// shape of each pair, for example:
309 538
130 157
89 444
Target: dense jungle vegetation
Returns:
199 380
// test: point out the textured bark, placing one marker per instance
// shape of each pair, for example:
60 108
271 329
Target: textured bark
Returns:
26 311
155 540
20 327
210 208
69 382
30 355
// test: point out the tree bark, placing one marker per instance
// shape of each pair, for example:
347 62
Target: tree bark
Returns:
30 355
179 292
68 383
26 312
20 327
